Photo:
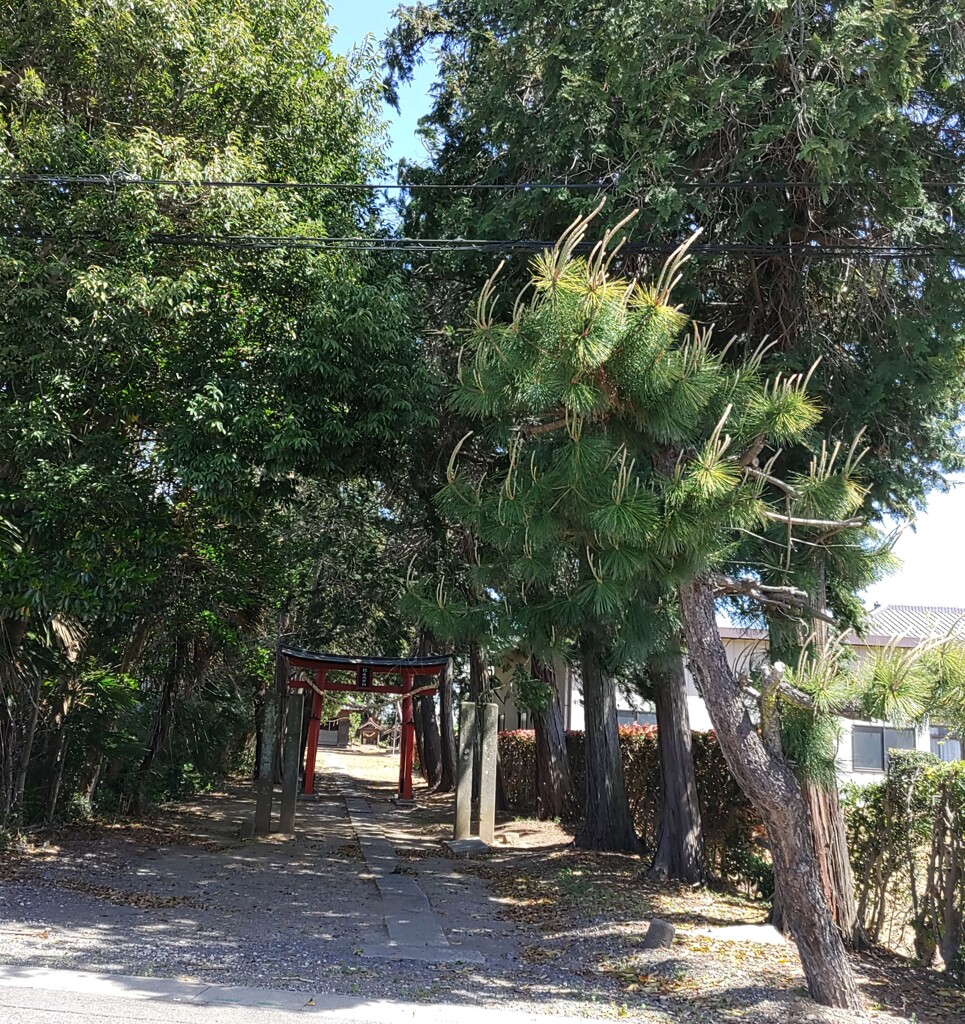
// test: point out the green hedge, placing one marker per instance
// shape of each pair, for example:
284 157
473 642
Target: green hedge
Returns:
732 831
906 836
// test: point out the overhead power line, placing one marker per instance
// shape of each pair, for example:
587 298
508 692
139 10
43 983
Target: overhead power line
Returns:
848 250
854 250
119 179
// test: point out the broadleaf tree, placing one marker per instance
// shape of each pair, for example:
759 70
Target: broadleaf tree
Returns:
156 367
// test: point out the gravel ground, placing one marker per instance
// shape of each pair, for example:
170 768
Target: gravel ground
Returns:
185 897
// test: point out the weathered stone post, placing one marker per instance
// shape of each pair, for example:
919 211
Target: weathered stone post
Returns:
264 788
489 713
291 756
467 745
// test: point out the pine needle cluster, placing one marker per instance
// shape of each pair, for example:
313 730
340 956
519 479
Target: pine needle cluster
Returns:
618 452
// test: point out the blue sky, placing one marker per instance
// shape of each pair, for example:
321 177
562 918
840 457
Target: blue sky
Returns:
933 554
355 20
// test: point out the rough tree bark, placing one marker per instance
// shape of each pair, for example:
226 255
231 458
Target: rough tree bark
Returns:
12 634
680 841
554 785
431 742
420 754
607 824
770 784
427 728
829 833
831 849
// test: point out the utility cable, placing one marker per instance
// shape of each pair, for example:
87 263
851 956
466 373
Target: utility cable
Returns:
121 178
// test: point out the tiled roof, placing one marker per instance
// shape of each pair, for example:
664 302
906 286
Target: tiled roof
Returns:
915 621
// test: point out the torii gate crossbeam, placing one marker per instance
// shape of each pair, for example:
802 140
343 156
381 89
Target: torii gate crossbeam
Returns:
318 665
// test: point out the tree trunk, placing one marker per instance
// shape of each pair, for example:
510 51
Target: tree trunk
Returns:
770 784
607 824
831 849
829 834
60 758
478 673
447 732
135 648
680 841
163 719
427 728
12 634
554 785
8 744
94 780
420 754
431 742
26 748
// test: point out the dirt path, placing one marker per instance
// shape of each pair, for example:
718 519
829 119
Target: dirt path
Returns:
543 927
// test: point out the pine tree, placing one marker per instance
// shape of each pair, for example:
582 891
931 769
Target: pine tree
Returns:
625 458
733 92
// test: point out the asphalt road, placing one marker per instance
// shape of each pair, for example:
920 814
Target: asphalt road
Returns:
44 996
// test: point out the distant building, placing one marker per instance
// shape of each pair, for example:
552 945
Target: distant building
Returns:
863 747
370 732
336 732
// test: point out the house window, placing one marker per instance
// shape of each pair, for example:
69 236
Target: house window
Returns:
636 717
867 749
523 719
870 745
943 744
501 723
899 739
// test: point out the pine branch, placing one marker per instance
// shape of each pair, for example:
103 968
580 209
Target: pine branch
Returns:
759 474
793 695
833 525
528 429
787 599
751 454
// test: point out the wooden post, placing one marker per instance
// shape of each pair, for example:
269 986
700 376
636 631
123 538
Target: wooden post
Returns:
311 753
291 756
408 741
489 727
467 746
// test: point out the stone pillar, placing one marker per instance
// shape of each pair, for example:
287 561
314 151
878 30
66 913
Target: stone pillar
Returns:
291 756
489 714
265 786
467 744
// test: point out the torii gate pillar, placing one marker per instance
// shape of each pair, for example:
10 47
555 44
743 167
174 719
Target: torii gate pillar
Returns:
407 752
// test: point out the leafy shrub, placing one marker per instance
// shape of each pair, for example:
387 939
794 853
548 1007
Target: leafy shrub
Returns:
907 841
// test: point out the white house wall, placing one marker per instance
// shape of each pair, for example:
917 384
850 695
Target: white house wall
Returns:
744 648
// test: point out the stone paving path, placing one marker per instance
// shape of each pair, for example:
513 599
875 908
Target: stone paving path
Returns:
415 933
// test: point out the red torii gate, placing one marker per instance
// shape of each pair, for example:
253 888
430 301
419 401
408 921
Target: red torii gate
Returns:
320 663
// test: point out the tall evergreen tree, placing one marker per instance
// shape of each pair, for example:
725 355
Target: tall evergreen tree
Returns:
623 459
675 108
